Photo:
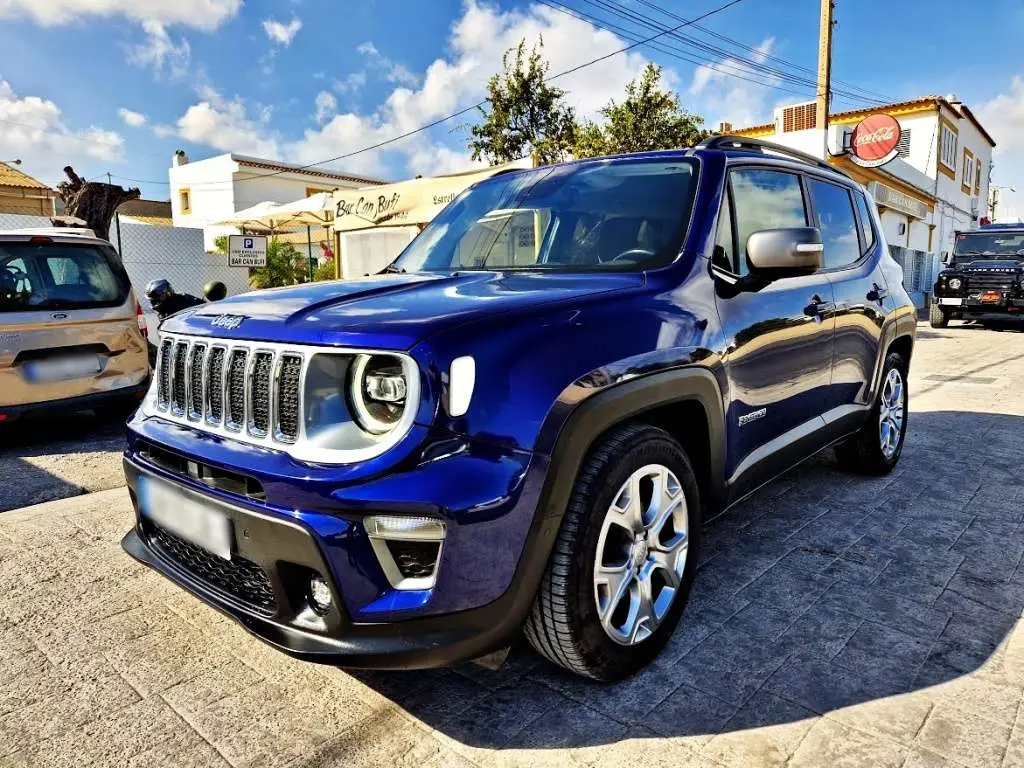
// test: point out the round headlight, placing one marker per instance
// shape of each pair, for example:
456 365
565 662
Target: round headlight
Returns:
955 283
377 391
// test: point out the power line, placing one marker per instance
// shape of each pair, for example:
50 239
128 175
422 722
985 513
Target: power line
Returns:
731 41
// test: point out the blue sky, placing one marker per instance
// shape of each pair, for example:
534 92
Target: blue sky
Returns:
106 86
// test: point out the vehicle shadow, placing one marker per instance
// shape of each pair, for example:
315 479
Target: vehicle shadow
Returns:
823 592
31 444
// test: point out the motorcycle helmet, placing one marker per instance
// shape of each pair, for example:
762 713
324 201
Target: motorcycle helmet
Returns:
158 291
215 290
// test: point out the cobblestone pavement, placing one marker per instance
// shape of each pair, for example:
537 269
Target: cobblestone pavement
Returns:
48 458
836 621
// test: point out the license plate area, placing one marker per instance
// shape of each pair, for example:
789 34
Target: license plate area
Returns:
185 517
991 297
62 368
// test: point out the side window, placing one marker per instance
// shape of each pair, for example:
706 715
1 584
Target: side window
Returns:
722 256
764 199
837 222
867 229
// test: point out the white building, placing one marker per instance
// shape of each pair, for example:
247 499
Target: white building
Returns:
937 185
211 190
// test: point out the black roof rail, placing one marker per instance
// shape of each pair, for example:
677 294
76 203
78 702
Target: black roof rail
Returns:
757 145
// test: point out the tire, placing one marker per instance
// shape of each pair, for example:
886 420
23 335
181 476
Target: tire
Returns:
565 624
937 316
864 452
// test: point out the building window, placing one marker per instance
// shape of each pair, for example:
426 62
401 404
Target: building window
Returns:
800 118
947 144
977 177
310 191
968 171
185 197
903 148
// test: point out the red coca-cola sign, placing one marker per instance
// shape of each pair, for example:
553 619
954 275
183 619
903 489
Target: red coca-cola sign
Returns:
875 140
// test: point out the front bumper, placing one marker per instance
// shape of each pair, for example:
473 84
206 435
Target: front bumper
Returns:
972 305
486 579
94 400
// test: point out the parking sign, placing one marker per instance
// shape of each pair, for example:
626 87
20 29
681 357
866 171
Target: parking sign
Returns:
247 251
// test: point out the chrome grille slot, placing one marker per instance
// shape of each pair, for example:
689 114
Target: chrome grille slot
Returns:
164 375
215 386
255 392
288 398
195 381
990 281
259 393
178 382
235 390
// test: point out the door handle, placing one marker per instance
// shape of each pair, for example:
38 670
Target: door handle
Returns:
819 308
877 293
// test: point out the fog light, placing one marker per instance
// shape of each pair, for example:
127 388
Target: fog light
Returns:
319 594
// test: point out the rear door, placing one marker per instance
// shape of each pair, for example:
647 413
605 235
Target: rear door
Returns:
852 258
779 358
67 322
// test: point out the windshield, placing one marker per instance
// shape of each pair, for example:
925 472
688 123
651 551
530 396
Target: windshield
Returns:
58 276
989 245
615 215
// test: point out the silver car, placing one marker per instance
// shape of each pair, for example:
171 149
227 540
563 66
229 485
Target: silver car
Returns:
72 334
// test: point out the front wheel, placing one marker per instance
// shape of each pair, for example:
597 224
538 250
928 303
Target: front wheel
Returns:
625 556
937 316
876 447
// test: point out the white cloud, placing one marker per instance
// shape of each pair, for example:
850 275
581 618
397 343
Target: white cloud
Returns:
130 118
351 83
280 33
160 52
1003 117
476 44
720 95
326 107
225 125
32 129
198 14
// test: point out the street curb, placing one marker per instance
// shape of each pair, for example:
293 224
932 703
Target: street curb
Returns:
67 506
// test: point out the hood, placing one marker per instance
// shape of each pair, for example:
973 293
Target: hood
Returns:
391 311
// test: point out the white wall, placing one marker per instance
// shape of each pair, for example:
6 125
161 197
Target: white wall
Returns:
369 251
175 254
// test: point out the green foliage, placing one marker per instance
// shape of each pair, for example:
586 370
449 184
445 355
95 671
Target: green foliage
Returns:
324 271
284 267
221 244
527 116
649 118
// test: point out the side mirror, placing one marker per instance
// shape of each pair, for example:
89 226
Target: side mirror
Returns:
777 253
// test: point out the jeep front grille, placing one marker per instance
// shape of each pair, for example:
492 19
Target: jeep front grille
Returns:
242 388
984 280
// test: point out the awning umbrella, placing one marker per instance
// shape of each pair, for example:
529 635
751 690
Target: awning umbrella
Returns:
263 215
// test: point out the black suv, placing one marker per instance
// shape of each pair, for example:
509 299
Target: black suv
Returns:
524 421
985 277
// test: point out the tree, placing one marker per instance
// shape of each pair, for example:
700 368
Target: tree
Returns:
282 268
649 118
93 201
527 116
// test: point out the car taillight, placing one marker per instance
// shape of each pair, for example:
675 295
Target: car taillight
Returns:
141 318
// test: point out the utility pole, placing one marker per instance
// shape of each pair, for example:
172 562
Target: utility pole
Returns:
825 68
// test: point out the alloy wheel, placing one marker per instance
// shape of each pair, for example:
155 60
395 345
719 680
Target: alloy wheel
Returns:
641 554
891 413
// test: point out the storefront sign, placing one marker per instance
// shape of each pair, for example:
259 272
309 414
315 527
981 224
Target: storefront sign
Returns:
247 251
875 141
898 201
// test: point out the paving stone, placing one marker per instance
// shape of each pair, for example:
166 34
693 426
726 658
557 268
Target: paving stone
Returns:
690 712
980 696
503 714
765 732
832 745
387 739
183 750
1014 757
820 632
896 717
627 702
730 665
973 622
964 737
642 747
913 618
883 650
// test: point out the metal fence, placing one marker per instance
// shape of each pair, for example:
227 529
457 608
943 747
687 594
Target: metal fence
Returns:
918 268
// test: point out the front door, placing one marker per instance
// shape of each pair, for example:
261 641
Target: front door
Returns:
780 336
852 259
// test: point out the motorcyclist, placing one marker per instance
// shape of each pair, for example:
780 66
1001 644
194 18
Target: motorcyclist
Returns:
165 301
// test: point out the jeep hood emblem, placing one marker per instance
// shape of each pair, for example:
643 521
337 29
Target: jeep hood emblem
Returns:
228 322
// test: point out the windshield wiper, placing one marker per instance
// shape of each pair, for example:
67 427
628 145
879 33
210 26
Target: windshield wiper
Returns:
393 270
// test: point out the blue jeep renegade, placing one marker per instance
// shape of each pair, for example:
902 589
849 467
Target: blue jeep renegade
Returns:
522 423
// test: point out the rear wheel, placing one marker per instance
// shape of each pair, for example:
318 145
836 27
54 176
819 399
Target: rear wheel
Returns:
621 569
937 316
876 447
